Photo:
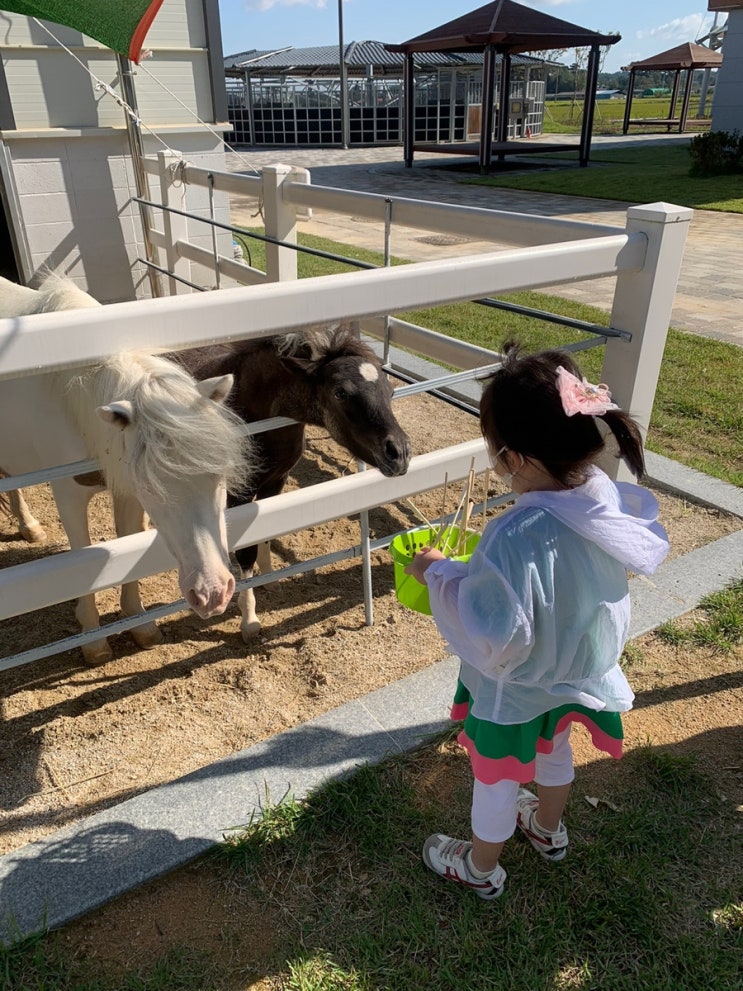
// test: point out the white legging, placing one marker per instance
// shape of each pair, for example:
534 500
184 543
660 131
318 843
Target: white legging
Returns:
494 806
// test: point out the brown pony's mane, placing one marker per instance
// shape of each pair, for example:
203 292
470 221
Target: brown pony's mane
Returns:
325 344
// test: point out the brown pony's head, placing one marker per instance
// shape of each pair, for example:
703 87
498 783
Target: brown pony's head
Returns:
352 395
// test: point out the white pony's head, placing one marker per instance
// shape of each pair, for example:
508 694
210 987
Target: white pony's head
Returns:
172 443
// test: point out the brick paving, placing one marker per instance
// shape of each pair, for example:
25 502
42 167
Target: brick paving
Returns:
708 297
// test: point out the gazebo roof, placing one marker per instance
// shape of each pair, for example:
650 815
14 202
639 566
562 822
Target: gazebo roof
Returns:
686 56
510 27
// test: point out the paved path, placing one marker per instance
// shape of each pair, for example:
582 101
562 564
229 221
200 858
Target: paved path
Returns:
708 298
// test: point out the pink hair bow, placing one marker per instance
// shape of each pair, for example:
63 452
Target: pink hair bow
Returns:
581 397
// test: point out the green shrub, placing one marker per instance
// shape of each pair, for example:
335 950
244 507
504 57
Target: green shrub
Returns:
716 153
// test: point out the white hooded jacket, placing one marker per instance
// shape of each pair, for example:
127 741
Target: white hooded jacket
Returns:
540 614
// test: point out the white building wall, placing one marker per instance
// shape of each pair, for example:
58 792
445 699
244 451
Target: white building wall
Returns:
67 165
75 196
727 105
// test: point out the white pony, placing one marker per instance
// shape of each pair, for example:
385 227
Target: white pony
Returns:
166 445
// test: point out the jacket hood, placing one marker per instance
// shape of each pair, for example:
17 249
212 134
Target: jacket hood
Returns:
620 517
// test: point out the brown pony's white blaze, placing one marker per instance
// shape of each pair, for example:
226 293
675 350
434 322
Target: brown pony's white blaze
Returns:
326 378
167 446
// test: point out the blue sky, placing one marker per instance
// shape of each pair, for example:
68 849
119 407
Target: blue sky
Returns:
647 26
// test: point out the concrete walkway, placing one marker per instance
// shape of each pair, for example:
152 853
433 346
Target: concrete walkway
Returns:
708 297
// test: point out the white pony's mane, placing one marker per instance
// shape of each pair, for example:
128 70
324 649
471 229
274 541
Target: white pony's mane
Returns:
59 293
177 432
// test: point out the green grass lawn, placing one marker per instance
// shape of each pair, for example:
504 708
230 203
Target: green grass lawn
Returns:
632 175
698 413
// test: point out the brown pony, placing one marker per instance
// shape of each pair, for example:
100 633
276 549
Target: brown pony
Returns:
327 378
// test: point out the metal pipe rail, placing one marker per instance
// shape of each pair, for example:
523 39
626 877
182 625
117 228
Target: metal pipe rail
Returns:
82 467
265 238
71 338
204 257
556 318
499 226
155 613
37 584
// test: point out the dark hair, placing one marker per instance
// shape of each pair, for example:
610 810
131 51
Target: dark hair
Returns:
521 409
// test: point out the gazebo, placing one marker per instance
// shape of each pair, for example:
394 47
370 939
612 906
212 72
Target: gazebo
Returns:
684 58
501 28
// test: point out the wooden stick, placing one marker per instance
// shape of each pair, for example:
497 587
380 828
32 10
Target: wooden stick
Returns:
485 497
453 525
462 547
418 513
466 510
442 525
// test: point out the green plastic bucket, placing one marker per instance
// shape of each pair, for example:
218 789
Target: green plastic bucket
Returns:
405 546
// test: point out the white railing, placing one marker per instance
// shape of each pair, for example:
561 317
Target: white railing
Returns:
645 258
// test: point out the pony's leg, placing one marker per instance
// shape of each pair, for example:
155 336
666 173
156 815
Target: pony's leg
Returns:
129 518
72 503
31 530
250 625
265 565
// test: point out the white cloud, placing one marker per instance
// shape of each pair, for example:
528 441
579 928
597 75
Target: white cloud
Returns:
680 29
270 4
548 3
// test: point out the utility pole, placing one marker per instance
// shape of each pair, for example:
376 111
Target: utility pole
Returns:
136 147
711 38
344 78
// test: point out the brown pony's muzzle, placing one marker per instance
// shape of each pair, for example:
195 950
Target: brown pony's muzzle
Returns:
396 455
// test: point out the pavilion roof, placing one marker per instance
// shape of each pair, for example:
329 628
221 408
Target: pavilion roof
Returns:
510 26
686 56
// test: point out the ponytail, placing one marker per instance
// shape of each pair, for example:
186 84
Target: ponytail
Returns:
522 408
629 440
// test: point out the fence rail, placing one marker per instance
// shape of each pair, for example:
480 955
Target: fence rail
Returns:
644 258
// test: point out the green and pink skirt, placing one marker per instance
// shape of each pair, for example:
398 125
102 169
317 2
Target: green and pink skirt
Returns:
509 752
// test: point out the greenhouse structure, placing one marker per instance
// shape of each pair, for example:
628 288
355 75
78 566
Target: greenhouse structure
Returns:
294 96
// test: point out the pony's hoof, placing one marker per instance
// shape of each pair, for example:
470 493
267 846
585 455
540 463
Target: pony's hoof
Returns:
33 534
148 636
97 653
250 630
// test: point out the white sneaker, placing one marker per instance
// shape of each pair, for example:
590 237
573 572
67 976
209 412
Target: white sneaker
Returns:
447 857
550 846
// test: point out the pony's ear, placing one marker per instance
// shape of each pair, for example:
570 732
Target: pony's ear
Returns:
305 366
217 389
120 413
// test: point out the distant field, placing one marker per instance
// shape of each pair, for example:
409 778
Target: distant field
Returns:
565 116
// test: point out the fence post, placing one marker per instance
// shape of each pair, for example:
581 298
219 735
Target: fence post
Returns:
642 305
175 227
281 221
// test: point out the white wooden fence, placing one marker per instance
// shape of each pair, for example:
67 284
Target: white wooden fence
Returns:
645 257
